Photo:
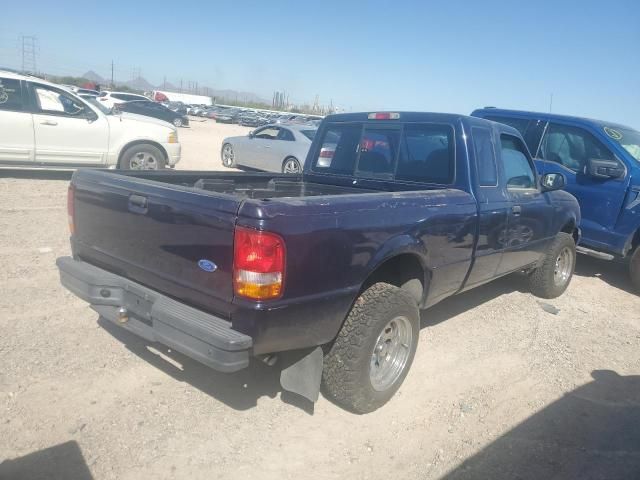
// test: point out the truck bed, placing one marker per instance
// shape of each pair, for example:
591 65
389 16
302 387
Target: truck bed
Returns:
246 185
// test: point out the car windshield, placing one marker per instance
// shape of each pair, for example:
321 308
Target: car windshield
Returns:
627 139
93 101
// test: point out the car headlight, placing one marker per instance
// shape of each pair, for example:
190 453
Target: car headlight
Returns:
173 137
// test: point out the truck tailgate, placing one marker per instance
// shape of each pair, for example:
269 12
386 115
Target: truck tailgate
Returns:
157 234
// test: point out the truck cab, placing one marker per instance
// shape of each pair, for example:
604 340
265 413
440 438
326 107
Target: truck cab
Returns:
601 162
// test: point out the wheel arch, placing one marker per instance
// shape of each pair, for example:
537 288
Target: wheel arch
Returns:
133 143
406 270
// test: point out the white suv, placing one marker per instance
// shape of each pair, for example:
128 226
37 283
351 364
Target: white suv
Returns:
45 125
109 99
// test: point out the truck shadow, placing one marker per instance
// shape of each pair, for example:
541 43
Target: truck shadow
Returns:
63 461
241 390
37 174
590 433
615 274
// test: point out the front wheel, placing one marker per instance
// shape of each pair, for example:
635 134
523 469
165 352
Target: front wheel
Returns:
634 269
553 276
142 157
374 350
177 122
291 165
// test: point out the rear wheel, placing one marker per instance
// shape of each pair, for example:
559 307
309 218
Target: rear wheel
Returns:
634 269
374 350
553 276
291 165
142 157
228 159
177 122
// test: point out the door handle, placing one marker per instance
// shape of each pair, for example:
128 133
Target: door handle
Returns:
138 204
516 210
49 122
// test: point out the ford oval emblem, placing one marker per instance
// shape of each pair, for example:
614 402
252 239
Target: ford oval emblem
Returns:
207 265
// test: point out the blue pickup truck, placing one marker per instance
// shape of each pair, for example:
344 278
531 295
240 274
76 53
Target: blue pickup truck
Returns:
325 271
601 161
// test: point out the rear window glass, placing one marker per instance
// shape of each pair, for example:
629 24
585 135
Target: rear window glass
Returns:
10 95
429 156
378 149
415 153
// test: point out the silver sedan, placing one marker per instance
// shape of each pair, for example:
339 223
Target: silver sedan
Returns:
272 148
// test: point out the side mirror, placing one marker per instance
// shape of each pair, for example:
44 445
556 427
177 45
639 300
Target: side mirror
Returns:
552 181
604 169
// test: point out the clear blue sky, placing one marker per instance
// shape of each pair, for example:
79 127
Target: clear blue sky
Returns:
447 56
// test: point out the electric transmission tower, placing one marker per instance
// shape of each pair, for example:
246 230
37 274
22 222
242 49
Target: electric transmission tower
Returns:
29 51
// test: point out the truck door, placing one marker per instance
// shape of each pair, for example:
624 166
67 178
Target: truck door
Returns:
494 206
530 215
566 149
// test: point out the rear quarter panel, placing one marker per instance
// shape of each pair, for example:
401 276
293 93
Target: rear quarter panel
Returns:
334 243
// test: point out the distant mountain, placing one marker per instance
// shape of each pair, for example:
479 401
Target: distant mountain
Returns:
139 83
94 77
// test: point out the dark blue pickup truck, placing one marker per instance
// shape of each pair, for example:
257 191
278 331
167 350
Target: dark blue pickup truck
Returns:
601 162
324 271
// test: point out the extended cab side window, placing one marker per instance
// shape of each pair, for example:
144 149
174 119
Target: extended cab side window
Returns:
10 95
518 170
55 102
428 156
485 157
572 146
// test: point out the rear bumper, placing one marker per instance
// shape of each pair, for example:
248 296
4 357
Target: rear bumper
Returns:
158 318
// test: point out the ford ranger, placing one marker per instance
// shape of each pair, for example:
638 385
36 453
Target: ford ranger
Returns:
325 271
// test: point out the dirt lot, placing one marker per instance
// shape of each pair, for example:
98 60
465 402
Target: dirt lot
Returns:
500 387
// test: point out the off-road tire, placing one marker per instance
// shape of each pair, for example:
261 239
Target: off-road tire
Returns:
541 280
345 376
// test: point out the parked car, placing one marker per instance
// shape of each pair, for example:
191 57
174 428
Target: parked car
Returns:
177 107
325 270
272 148
153 109
227 116
601 161
109 99
45 125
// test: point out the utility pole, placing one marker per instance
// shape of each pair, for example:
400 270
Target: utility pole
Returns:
551 102
164 82
180 85
29 48
112 84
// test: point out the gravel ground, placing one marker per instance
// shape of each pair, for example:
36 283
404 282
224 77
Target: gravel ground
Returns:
500 387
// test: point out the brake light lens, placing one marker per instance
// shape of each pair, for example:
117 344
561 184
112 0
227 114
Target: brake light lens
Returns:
258 264
325 153
384 116
71 209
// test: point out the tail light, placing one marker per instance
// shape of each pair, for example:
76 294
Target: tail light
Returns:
258 264
325 153
71 209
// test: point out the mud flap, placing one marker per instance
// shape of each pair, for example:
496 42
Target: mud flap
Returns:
303 373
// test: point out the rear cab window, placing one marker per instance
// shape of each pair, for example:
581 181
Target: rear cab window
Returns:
410 152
